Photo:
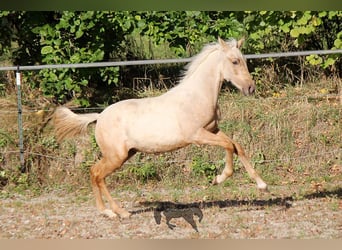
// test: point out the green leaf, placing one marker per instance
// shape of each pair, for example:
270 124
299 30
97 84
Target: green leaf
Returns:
330 61
127 24
57 42
53 77
285 28
90 25
316 21
338 43
332 14
84 82
141 24
322 14
62 24
294 32
314 59
306 30
68 84
83 102
46 50
79 33
97 55
254 36
75 58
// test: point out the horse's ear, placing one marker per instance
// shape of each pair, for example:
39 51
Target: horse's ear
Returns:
240 43
222 43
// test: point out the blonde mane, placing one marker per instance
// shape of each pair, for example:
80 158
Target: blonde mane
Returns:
197 60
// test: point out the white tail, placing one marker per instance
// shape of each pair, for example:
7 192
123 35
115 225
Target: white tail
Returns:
68 124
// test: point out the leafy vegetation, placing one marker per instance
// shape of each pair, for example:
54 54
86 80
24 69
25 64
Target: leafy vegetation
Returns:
202 167
55 37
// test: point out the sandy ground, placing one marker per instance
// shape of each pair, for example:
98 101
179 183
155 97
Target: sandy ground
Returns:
72 216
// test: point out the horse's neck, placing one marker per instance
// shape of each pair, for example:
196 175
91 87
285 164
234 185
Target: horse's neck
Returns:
206 81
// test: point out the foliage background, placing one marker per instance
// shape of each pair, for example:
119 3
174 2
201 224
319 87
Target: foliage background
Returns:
54 37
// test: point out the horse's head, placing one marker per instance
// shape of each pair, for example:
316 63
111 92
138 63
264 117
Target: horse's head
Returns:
234 67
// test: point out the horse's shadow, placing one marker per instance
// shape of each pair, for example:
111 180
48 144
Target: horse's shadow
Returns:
172 210
188 211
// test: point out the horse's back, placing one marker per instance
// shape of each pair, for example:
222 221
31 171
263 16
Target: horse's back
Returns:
142 124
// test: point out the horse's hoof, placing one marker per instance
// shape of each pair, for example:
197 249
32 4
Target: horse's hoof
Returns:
109 213
264 189
214 181
125 215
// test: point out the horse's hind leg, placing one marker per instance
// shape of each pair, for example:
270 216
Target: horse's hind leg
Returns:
98 174
96 189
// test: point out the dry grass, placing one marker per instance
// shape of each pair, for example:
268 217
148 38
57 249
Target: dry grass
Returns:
291 136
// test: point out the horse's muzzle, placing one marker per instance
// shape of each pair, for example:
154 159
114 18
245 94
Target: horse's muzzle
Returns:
249 90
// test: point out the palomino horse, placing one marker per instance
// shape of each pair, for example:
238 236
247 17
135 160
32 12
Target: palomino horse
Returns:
186 114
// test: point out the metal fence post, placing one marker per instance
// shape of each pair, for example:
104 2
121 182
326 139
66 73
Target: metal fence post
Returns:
20 122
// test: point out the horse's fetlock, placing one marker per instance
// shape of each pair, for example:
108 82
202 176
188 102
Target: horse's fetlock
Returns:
228 173
214 182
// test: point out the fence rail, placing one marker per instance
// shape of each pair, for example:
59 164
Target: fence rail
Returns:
163 61
137 163
306 98
19 68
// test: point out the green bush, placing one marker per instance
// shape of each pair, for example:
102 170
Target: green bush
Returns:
66 37
202 167
145 172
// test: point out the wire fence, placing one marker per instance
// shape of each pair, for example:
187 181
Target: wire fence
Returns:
284 159
305 98
20 68
162 61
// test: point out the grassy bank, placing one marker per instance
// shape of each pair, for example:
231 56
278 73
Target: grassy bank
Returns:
293 137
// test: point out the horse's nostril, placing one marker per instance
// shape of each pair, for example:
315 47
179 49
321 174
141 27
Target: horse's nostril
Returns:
251 89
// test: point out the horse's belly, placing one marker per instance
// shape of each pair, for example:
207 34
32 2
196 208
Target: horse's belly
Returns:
156 141
158 148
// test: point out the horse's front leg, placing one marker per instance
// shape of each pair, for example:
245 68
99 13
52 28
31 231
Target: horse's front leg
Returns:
228 169
203 136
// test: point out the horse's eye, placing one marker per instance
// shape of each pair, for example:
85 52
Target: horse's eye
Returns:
235 61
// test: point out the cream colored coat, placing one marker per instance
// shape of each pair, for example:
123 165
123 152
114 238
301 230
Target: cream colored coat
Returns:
186 114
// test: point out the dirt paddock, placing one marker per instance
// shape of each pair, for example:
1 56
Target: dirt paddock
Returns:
58 215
